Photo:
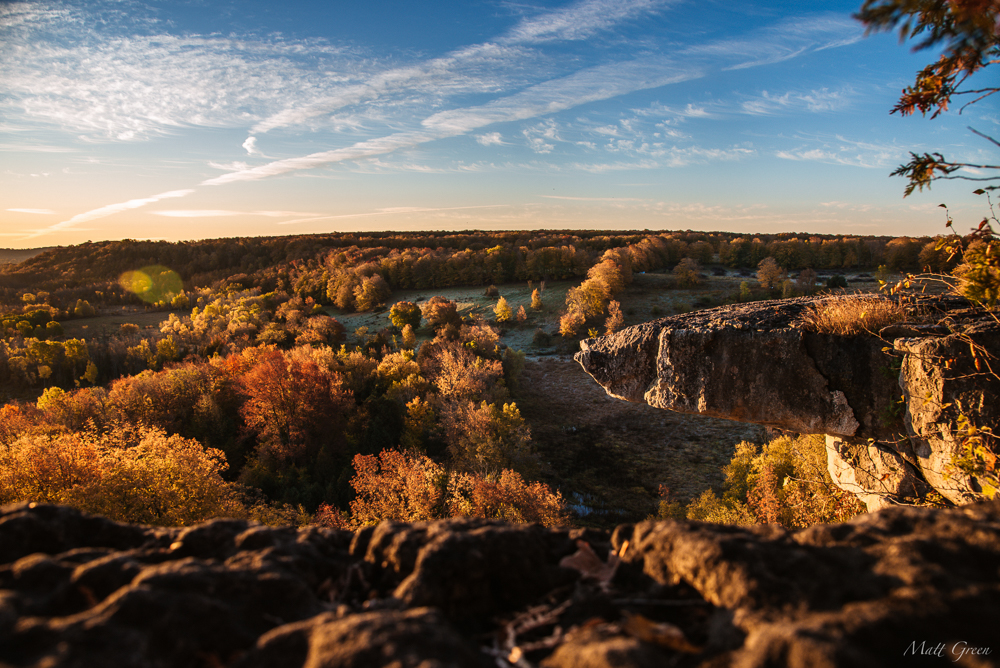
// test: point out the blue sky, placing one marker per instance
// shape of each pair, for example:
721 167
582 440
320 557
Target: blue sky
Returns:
211 118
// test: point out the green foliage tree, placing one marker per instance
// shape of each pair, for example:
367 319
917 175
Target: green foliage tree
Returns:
405 313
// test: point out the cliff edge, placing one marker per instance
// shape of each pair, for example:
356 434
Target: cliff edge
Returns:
891 402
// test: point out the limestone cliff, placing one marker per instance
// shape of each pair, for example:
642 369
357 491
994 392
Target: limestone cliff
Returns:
889 402
78 591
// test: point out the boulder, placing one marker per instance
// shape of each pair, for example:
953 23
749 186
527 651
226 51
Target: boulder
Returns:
876 591
891 403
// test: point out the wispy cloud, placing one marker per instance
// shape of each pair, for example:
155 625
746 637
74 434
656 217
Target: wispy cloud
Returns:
840 150
220 213
490 139
594 199
105 211
41 212
396 210
580 20
822 100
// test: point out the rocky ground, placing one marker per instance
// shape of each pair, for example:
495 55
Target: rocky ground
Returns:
904 586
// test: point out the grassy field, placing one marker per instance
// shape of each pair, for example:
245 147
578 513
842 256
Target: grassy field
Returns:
111 322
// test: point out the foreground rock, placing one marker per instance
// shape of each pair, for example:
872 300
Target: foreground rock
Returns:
82 591
889 402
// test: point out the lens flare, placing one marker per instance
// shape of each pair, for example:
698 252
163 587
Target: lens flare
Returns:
152 284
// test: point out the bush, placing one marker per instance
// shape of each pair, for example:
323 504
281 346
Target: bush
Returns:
836 281
851 315
784 482
541 338
492 291
410 487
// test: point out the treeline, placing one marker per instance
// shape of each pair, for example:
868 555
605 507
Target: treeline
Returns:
306 265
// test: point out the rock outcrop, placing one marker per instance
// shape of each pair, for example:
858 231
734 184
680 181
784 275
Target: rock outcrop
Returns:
891 402
886 589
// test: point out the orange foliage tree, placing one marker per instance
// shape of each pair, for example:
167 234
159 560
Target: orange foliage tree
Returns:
292 404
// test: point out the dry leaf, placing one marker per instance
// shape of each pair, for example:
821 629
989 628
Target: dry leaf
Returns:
590 565
659 633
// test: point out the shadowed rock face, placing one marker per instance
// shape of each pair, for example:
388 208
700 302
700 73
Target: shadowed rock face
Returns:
82 591
755 363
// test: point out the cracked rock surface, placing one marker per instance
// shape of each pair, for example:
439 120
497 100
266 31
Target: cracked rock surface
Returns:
78 590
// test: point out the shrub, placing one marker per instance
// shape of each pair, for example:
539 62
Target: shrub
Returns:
492 291
979 273
505 497
836 281
784 481
850 315
536 300
541 338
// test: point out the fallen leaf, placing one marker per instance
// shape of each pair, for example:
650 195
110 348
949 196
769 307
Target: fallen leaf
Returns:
590 565
659 633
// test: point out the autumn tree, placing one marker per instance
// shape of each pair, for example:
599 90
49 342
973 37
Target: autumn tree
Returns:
486 438
372 292
768 273
292 404
439 311
409 338
397 486
502 310
967 29
688 272
405 313
615 318
536 300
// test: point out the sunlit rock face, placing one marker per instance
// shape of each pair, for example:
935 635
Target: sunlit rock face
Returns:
81 591
888 401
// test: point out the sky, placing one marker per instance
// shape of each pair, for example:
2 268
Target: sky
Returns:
190 119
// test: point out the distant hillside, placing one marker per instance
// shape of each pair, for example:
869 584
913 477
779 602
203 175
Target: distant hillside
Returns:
15 255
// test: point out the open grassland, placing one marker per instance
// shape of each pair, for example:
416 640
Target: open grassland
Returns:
111 322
